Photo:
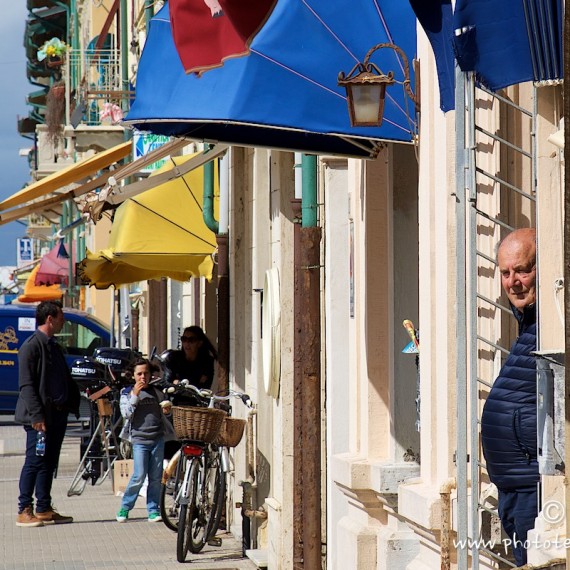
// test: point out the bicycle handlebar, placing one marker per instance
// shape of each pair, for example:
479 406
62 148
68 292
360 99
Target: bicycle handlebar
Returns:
206 394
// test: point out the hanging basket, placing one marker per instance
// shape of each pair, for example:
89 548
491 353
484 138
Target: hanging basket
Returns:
198 424
231 432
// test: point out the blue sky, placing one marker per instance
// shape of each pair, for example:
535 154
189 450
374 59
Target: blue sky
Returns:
14 168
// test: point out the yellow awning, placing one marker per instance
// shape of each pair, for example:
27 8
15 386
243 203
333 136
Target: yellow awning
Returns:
52 202
67 175
160 233
35 293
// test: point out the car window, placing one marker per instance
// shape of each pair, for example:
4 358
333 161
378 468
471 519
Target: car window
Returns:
76 338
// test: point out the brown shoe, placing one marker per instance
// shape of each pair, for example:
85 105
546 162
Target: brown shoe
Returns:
51 517
27 518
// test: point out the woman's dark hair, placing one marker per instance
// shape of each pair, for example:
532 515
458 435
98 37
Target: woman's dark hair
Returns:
207 346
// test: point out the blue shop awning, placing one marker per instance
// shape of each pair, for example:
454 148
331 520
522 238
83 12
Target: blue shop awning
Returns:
502 41
436 18
284 94
507 42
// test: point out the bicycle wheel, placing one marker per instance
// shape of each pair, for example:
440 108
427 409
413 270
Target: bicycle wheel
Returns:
169 497
219 499
198 529
186 514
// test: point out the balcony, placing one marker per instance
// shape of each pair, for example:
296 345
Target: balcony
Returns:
94 104
94 79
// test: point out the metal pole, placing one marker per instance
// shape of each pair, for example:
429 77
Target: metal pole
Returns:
471 384
309 190
223 313
124 23
461 320
566 44
148 12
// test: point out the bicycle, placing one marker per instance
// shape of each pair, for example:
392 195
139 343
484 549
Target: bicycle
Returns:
100 383
103 447
194 483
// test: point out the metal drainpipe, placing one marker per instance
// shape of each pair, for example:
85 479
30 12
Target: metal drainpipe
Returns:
445 494
310 358
148 12
72 20
221 232
124 24
208 210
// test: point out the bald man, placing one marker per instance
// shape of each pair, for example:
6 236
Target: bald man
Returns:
508 422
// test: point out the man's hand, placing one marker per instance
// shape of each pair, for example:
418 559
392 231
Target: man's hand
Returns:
39 426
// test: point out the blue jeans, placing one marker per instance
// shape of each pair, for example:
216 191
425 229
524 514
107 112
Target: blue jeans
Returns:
38 472
148 459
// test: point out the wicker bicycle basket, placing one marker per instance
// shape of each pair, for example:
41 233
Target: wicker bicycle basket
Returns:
231 433
199 424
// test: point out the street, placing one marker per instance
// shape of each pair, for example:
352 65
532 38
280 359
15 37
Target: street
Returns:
94 541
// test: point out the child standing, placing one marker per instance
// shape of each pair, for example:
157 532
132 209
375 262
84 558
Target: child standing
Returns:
144 407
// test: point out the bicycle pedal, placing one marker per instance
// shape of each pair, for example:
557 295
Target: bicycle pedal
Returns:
216 541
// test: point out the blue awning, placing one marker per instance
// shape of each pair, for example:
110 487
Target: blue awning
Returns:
284 94
508 42
502 41
436 18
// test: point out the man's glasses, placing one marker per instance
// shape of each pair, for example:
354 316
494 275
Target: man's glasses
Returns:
190 339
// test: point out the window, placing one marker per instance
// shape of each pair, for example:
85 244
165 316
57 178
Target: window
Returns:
76 338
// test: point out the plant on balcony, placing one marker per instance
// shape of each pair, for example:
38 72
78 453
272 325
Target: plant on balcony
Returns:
55 112
52 52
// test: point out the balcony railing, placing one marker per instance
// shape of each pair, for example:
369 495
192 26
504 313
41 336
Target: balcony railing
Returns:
95 82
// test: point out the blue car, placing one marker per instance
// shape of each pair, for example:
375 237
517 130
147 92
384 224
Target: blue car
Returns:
81 335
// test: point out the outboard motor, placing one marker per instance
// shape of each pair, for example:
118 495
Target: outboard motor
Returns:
119 361
88 373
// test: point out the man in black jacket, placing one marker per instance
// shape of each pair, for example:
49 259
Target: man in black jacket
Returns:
508 422
47 395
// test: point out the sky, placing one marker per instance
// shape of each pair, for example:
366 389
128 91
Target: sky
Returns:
14 168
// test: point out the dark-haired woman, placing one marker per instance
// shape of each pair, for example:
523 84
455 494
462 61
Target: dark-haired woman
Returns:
194 362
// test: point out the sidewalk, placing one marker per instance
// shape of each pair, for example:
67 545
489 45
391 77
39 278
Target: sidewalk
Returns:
95 541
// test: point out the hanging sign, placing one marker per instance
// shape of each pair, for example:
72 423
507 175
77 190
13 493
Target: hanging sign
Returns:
143 143
24 251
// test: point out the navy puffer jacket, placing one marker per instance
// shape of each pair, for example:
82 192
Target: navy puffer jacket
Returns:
508 422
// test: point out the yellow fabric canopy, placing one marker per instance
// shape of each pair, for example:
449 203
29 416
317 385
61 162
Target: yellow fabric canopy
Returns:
35 293
67 175
160 233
